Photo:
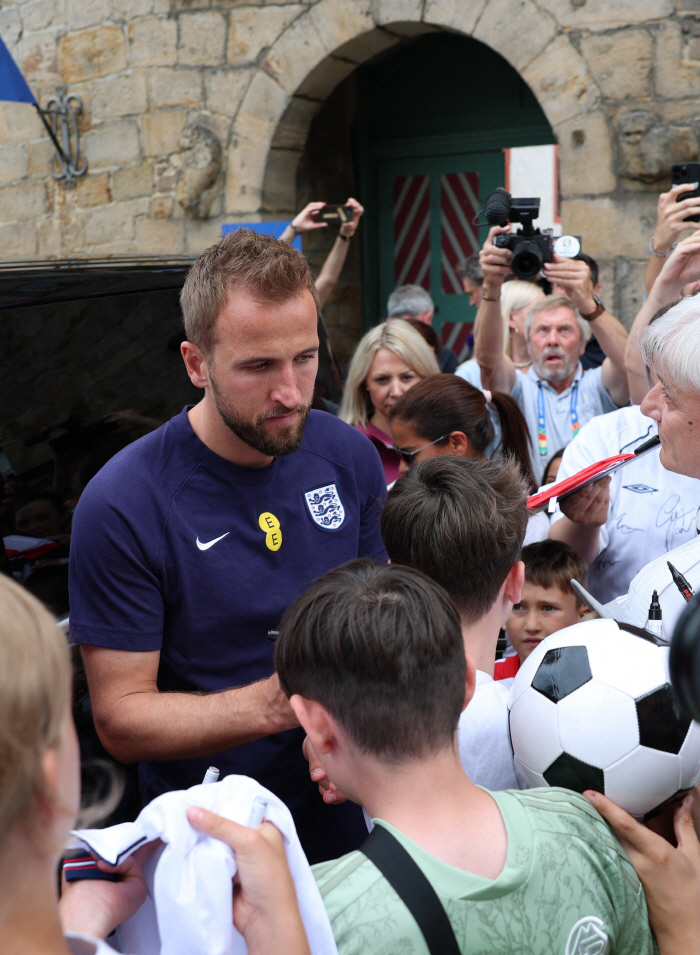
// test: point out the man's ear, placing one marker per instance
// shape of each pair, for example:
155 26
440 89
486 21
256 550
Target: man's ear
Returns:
514 582
471 680
319 725
196 364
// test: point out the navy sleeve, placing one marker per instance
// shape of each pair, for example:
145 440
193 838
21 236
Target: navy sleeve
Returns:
115 594
371 485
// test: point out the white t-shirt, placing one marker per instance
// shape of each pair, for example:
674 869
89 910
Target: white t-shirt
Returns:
634 608
652 510
484 740
590 399
87 945
471 372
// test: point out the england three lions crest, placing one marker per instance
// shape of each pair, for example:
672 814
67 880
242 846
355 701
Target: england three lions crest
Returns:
325 507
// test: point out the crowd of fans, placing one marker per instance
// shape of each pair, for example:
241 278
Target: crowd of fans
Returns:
335 603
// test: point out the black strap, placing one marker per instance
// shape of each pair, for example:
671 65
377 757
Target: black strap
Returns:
414 890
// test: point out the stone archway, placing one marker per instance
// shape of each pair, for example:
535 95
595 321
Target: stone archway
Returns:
327 42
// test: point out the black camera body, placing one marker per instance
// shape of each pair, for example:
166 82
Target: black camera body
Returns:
531 248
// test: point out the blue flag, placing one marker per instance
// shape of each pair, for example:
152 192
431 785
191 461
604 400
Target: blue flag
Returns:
13 86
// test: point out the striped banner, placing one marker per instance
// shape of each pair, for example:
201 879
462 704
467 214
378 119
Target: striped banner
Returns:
412 231
454 335
459 204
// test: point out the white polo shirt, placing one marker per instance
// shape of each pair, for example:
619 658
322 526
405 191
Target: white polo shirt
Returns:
584 398
652 510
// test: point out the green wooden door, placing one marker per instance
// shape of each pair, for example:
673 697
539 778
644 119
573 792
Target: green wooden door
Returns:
427 207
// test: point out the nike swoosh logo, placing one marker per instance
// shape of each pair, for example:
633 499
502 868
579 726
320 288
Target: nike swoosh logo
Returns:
211 543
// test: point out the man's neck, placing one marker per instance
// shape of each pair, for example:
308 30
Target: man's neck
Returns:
211 431
481 639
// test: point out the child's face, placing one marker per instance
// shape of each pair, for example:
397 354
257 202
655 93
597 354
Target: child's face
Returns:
541 611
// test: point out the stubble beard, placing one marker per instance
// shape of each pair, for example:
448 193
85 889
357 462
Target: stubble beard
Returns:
547 374
253 433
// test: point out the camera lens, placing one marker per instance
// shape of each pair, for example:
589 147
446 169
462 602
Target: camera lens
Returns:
684 659
527 260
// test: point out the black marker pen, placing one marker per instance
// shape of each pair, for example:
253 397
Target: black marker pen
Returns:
680 582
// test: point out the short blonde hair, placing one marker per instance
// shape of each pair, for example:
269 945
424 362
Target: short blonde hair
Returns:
515 295
397 337
35 687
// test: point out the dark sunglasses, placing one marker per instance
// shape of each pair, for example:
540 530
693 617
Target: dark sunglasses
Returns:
408 456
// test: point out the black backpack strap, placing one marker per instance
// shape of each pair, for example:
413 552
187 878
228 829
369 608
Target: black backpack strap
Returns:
413 888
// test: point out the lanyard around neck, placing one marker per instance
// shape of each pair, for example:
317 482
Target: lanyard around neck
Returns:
542 417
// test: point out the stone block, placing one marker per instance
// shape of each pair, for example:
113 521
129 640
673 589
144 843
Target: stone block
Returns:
160 236
132 182
202 37
298 51
293 128
126 10
39 155
161 131
40 63
338 21
23 201
610 227
279 185
251 29
92 53
620 62
454 14
224 90
114 145
20 124
118 96
13 164
396 11
364 47
585 156
199 235
18 241
629 289
41 14
93 190
169 86
324 78
87 13
152 42
162 207
261 110
517 29
244 177
602 14
48 238
674 78
560 80
105 225
11 27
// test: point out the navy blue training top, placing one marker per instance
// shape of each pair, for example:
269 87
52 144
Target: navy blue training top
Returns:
175 549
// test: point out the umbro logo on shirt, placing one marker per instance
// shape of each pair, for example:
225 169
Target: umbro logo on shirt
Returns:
211 543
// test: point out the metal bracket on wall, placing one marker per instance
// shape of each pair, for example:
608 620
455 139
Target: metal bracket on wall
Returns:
60 120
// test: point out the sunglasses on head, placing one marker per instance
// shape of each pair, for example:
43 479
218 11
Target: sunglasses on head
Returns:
409 456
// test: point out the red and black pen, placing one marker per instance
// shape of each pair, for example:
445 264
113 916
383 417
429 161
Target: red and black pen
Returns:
680 582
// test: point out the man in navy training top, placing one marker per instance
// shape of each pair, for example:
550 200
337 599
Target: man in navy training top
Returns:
189 545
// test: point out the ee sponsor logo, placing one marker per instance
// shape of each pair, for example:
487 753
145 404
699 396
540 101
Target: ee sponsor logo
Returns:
270 526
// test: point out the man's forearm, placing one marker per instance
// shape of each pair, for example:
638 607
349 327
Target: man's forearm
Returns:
583 538
332 267
612 338
488 343
149 725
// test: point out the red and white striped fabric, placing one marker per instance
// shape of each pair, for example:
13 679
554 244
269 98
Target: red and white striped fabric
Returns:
459 204
412 231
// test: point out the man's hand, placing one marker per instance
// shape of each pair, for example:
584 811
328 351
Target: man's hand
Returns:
590 505
350 228
305 221
670 877
670 215
328 791
572 277
681 268
495 262
95 907
265 908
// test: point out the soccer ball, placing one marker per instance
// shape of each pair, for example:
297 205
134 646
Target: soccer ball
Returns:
592 708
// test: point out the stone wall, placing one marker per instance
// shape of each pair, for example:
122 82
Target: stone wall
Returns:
198 111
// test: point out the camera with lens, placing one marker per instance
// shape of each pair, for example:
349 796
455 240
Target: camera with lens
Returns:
531 247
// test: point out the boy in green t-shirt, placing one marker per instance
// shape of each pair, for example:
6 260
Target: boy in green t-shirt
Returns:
372 659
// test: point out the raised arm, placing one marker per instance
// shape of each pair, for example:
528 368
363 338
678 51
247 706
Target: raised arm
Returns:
573 277
304 221
669 227
136 722
497 369
333 266
679 269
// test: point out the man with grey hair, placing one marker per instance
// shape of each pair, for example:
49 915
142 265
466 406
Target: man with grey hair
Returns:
412 301
555 396
472 277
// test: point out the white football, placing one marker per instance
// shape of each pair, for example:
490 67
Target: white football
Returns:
592 708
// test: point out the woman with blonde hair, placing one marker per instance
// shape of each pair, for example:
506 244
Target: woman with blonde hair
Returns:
390 359
39 801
